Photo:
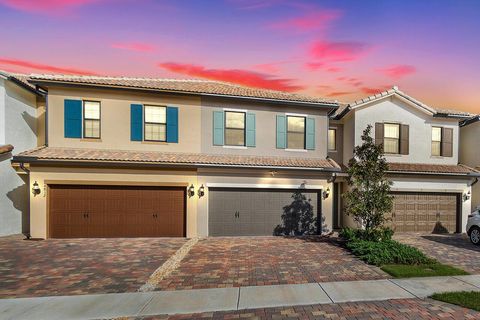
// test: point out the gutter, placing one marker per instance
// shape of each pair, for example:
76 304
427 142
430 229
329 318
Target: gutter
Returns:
326 104
21 159
436 173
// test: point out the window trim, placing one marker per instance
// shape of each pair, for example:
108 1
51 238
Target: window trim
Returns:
225 111
399 139
441 142
157 123
335 141
304 130
99 119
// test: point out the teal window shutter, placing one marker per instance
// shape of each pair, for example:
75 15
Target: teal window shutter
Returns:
281 132
310 134
250 130
136 122
172 124
218 127
72 118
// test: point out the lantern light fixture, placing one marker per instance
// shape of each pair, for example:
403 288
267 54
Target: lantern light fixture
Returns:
36 188
201 191
191 191
326 193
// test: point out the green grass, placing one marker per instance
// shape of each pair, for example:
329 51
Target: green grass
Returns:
464 299
421 270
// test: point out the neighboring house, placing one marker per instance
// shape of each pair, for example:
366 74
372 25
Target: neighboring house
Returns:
154 157
470 151
20 129
431 188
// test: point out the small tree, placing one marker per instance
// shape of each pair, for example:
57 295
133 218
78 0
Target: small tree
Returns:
368 198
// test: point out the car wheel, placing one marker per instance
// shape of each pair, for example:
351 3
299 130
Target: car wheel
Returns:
475 236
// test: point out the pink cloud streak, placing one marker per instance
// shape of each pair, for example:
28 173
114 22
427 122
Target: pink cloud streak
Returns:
44 67
133 46
45 6
338 51
241 77
308 22
398 71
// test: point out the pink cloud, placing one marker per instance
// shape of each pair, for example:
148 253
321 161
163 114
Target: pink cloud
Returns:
45 6
313 66
398 71
133 46
351 81
241 77
339 93
338 51
311 21
373 90
32 66
334 69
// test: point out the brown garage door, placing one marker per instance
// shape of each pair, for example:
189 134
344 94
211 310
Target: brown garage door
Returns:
424 212
115 211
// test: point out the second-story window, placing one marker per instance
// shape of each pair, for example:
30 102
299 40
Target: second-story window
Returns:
332 139
436 141
295 132
391 140
234 128
155 126
91 119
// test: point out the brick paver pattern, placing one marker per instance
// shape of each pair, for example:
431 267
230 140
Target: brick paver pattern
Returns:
257 261
392 309
451 249
79 266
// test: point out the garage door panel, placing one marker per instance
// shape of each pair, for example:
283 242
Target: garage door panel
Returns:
115 211
424 212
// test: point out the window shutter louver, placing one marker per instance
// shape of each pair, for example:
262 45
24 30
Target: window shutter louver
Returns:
218 128
281 131
250 130
379 133
172 124
404 139
136 122
447 142
310 134
73 118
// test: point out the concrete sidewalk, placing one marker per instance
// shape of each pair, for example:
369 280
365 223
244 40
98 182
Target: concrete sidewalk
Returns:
106 306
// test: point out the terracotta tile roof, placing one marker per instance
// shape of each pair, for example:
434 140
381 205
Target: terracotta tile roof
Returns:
19 78
194 86
194 159
6 148
431 168
440 112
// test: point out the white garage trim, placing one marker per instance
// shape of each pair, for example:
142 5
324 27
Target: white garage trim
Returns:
263 186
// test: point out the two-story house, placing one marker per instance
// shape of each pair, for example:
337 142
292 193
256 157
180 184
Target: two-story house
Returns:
470 151
432 190
21 128
134 157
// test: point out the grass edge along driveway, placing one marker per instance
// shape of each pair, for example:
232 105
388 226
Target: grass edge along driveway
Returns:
466 299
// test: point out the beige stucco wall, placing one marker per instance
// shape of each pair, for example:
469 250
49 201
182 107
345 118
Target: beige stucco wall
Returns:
115 119
197 208
470 154
337 155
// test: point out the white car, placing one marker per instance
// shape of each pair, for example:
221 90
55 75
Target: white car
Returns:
473 226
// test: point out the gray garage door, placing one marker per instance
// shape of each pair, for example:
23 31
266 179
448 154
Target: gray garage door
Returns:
249 212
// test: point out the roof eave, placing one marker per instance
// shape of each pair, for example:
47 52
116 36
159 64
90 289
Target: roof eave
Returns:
326 104
469 174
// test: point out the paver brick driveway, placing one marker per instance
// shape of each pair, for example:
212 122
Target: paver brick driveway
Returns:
79 266
256 261
392 309
452 249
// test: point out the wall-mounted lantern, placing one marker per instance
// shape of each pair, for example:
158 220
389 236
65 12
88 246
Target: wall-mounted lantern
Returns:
36 188
191 191
326 193
201 191
467 196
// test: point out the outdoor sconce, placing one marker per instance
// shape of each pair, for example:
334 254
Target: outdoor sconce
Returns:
467 196
326 193
191 191
36 188
201 191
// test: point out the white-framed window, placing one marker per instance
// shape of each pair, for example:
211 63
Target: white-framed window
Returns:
436 141
295 132
391 140
155 123
91 119
235 128
332 139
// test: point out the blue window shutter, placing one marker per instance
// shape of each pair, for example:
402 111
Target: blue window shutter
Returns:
136 122
172 124
310 134
281 132
250 130
73 118
218 127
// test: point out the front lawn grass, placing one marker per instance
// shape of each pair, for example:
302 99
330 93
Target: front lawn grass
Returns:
422 270
466 299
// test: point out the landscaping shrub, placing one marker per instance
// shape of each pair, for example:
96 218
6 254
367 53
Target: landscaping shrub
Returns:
380 234
387 252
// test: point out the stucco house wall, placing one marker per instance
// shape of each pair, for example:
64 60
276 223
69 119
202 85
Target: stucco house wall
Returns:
18 127
470 154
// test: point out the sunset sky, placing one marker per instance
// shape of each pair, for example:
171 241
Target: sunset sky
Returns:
342 50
